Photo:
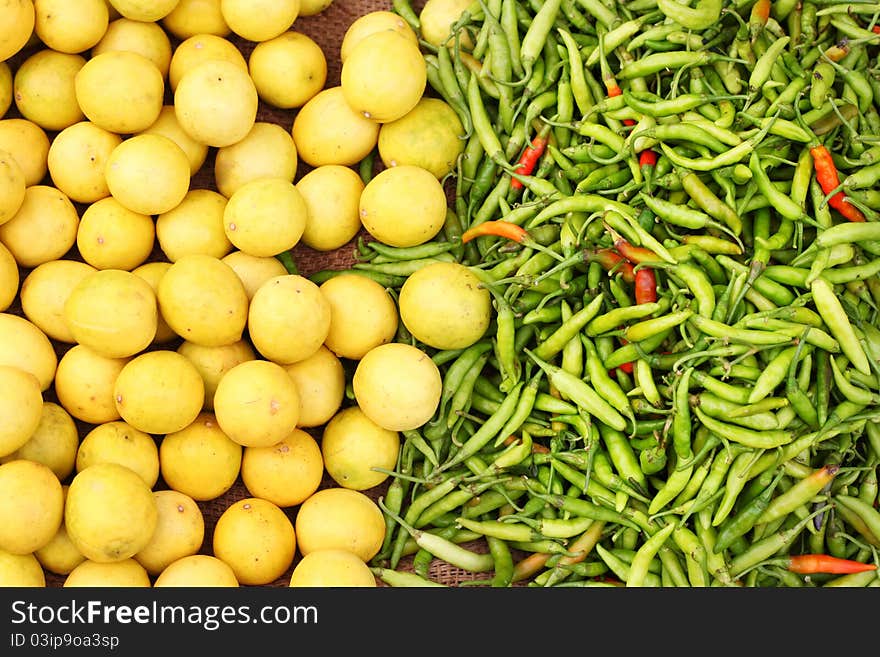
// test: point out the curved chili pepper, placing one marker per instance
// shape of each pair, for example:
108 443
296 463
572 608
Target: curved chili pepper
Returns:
530 156
498 228
807 564
829 180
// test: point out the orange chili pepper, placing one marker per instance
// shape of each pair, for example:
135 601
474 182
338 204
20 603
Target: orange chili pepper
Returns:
645 285
498 229
807 564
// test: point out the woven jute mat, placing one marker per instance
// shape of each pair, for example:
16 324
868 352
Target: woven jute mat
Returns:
327 29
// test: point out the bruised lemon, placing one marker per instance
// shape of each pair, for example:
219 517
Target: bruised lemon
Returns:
256 403
430 136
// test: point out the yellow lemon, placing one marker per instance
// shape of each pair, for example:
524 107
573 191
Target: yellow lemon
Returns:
21 569
25 346
119 442
283 304
16 26
120 90
200 460
216 102
192 17
436 18
213 362
20 408
145 38
429 136
153 158
340 518
180 531
363 315
403 206
113 312
77 158
332 194
138 10
167 125
29 145
44 88
53 443
44 291
9 278
194 226
352 445
200 48
445 306
285 473
12 186
383 76
126 573
84 384
71 27
259 20
320 381
31 506
267 151
256 403
371 22
111 236
197 570
332 568
265 216
43 229
253 270
326 130
159 392
110 513
288 69
257 539
203 300
397 385
313 7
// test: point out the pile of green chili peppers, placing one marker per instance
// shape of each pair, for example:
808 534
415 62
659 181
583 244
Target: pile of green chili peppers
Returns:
708 433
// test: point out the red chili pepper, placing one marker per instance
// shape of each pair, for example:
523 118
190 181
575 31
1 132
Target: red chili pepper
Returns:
829 180
807 564
876 29
647 158
529 158
645 285
611 260
498 229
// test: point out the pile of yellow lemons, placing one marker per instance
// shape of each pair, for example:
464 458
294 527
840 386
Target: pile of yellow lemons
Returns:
154 351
